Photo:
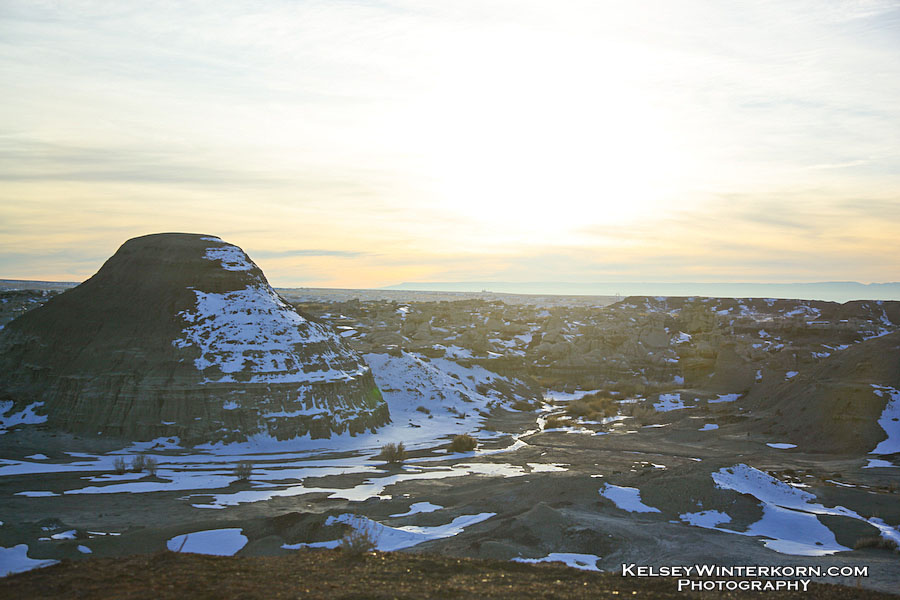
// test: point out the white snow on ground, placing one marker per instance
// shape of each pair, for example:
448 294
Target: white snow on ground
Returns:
586 562
875 463
547 468
253 330
669 402
446 389
220 542
889 421
793 532
706 518
279 465
781 446
84 549
25 416
558 396
725 398
231 257
373 487
389 539
709 427
22 467
160 443
184 480
419 507
456 351
804 310
64 535
791 374
37 457
626 498
104 477
16 560
328 544
789 513
681 338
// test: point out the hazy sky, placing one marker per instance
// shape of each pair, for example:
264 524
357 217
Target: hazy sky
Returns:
361 144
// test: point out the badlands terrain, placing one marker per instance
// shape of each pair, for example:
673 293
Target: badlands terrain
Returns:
649 430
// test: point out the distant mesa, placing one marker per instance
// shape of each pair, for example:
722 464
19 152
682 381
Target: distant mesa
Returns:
181 335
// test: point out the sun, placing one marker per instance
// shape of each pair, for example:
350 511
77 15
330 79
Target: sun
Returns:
544 139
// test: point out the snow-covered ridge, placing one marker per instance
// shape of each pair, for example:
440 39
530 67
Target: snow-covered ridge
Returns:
254 332
231 257
435 397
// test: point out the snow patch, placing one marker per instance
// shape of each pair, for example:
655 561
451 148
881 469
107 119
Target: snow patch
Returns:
725 398
231 257
889 421
626 498
669 402
27 416
709 519
219 542
253 330
389 539
790 514
419 507
586 562
16 560
875 463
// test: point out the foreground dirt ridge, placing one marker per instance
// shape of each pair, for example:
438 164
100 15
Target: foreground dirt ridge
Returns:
333 574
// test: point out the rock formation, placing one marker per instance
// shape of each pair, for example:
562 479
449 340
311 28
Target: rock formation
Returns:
181 335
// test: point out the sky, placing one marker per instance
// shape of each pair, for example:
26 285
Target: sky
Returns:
363 144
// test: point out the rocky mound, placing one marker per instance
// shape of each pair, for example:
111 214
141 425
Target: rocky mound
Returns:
837 406
181 335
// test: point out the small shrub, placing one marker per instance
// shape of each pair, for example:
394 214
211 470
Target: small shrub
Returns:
360 540
393 453
592 407
643 414
423 409
138 463
151 465
120 465
554 422
243 470
876 541
463 443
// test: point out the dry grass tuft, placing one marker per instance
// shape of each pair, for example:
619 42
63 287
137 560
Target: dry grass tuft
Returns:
463 443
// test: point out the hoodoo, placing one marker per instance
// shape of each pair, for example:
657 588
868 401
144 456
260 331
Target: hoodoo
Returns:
181 335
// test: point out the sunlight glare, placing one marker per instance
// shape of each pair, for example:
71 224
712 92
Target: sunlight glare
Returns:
543 139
